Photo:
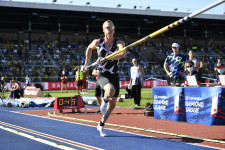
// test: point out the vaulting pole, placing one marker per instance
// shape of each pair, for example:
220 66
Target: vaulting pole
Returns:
164 29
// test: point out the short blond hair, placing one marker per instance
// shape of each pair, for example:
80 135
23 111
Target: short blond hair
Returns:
107 21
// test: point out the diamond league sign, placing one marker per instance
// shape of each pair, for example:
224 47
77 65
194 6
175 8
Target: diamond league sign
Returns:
201 105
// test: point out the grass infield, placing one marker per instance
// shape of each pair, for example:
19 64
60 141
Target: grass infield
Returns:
146 96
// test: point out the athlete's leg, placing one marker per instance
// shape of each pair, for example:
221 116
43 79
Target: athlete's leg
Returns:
61 87
66 87
108 95
111 106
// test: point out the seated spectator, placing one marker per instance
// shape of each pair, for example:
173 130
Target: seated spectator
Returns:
3 86
16 89
189 65
221 70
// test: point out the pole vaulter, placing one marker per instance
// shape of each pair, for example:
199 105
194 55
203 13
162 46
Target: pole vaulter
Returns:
164 29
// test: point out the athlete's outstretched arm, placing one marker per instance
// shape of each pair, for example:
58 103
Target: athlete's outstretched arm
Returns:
94 44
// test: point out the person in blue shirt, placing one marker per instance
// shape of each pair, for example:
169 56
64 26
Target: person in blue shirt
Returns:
27 80
174 64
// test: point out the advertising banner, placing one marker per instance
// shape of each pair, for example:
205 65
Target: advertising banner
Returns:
169 103
91 85
57 85
205 105
156 83
147 84
33 92
124 84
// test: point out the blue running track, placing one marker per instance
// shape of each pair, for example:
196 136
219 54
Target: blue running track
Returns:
79 133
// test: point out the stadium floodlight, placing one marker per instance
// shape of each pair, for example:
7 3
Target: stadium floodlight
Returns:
175 9
93 17
148 7
88 3
34 14
119 5
160 31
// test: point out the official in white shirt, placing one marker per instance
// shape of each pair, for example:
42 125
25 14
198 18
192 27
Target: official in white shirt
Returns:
137 73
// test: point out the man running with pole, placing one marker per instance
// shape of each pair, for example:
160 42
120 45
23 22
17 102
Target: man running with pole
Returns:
119 54
108 77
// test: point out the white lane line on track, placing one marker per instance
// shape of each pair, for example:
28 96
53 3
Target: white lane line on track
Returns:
50 136
5 110
136 129
36 138
118 130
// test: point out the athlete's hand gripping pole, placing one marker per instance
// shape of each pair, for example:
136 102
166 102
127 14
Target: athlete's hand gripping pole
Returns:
164 29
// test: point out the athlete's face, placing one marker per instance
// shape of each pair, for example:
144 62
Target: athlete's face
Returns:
108 28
